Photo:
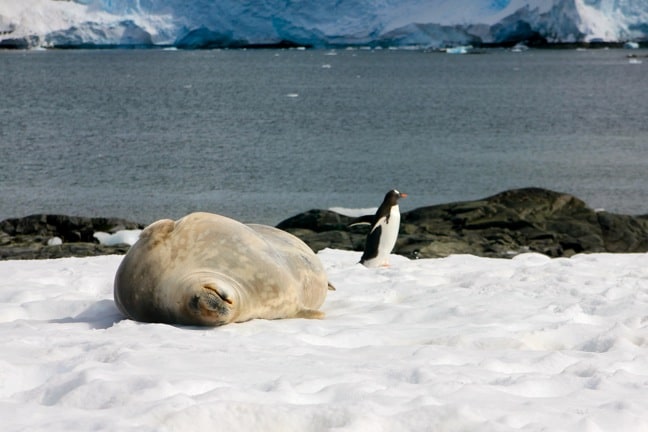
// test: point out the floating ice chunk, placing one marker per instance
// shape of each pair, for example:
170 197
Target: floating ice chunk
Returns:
631 45
519 47
459 49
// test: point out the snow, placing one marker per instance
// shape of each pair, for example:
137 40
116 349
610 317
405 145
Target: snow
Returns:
354 212
55 241
459 343
128 237
205 23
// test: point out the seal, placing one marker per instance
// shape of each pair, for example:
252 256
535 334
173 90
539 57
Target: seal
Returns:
209 270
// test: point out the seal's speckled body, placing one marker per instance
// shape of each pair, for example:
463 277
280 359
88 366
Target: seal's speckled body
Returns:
207 269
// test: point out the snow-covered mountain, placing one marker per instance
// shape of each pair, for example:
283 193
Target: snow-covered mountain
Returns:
212 23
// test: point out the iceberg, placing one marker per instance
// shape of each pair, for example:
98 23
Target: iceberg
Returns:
460 49
312 23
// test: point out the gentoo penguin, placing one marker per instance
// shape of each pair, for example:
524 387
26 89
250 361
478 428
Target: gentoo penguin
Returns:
384 231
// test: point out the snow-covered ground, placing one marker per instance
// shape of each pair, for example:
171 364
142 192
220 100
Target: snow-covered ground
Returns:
460 343
203 23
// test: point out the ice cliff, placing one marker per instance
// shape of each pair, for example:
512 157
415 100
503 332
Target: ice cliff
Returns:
317 23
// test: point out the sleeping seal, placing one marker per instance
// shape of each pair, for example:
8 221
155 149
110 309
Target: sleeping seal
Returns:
206 269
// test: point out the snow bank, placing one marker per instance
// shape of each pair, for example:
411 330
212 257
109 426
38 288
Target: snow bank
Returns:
128 237
460 343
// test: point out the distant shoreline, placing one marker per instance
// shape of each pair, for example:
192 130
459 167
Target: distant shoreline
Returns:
27 43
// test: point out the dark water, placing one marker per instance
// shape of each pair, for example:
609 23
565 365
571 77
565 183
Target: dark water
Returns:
262 135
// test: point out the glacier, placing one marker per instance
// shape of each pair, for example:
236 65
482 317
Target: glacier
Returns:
316 23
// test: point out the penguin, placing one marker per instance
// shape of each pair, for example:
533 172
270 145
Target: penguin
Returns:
384 231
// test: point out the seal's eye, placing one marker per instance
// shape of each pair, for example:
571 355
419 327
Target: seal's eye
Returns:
219 292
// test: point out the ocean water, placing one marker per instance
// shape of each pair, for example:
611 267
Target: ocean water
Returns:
261 135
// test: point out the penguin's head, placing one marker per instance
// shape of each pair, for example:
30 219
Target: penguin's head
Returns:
393 196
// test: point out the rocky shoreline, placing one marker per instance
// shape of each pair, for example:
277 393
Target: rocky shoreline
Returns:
501 226
58 236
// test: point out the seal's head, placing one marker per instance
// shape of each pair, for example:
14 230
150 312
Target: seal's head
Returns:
204 297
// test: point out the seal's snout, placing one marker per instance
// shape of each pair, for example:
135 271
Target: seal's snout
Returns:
210 306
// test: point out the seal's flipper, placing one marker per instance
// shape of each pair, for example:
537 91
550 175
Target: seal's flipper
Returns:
331 287
310 314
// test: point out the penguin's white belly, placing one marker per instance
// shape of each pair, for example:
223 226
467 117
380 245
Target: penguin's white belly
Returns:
388 238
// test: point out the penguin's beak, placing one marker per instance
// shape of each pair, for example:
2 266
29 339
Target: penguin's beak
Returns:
403 195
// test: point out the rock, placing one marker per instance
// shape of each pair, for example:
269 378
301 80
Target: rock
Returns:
335 239
37 251
32 237
504 225
317 220
68 228
622 233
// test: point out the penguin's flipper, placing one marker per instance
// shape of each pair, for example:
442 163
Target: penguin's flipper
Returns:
361 223
362 220
372 243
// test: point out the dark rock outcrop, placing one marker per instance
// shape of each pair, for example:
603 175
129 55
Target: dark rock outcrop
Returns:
28 237
504 225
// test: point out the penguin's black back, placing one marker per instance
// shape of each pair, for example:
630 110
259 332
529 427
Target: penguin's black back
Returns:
391 199
371 244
